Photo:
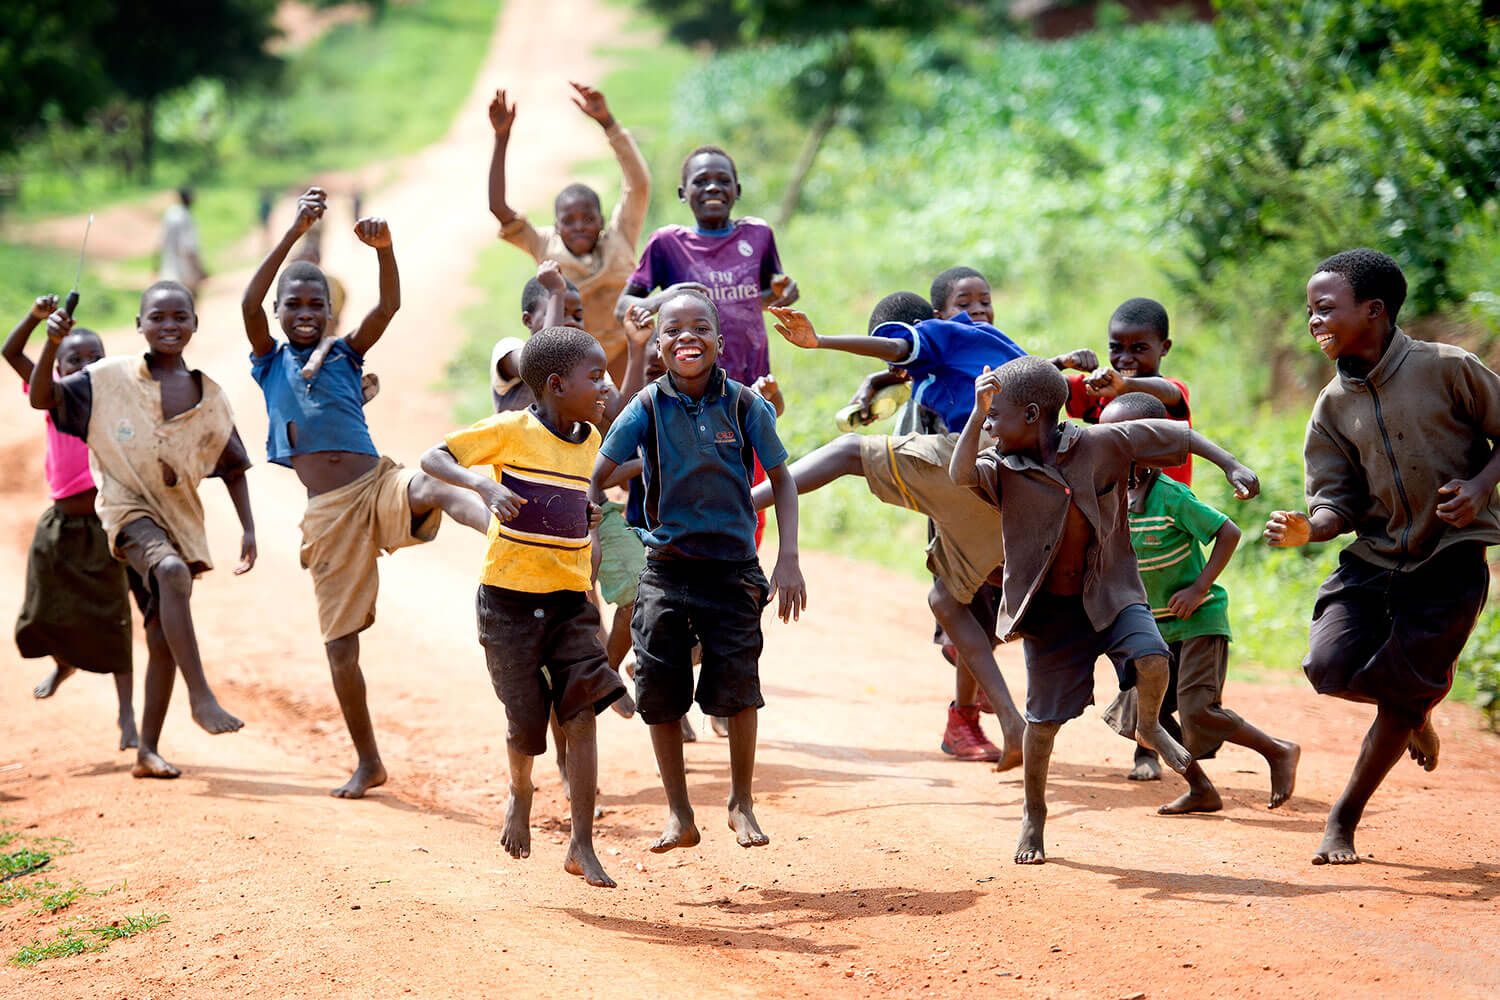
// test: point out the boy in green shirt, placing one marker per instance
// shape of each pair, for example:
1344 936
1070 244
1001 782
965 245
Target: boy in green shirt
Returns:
1167 526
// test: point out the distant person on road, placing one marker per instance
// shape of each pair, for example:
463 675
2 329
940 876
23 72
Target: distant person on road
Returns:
595 255
179 260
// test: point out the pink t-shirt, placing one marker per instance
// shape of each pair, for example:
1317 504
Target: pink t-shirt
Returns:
67 462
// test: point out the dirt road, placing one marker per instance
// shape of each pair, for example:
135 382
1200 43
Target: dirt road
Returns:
889 870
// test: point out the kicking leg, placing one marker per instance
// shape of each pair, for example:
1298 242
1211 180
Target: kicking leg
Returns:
977 657
516 836
349 686
124 696
1152 676
680 831
819 467
1038 741
49 684
1424 745
174 582
1281 755
425 494
583 778
161 673
742 728
1384 744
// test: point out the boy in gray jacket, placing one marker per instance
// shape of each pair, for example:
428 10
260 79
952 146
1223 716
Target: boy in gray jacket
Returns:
1400 451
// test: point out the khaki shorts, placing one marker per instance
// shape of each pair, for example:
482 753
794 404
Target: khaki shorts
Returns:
911 471
345 530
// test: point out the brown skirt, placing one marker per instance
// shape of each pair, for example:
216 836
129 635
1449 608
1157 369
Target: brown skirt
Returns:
77 603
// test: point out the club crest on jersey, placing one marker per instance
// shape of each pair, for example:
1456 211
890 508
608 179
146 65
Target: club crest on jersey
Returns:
724 437
746 250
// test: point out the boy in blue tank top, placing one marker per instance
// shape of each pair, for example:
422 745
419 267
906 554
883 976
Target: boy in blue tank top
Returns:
359 503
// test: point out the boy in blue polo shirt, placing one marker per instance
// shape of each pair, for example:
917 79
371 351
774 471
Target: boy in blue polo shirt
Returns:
700 433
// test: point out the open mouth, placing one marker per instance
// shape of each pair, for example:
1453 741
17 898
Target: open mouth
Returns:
305 330
688 354
1325 340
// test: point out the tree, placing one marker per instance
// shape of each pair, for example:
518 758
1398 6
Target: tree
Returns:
42 66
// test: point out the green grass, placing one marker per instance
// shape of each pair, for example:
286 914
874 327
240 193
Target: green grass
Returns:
71 941
26 272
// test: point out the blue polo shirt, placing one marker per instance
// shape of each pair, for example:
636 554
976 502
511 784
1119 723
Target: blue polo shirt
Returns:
329 411
699 459
946 356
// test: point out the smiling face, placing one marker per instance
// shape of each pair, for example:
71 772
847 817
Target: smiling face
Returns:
572 313
1342 325
1014 427
167 320
970 295
579 222
304 311
79 349
688 337
583 392
1136 351
710 189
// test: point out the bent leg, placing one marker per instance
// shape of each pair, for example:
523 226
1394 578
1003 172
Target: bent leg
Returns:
819 467
1152 676
1383 746
977 657
174 583
1030 849
583 784
425 494
349 686
161 674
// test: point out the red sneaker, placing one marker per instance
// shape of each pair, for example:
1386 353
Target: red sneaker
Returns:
963 739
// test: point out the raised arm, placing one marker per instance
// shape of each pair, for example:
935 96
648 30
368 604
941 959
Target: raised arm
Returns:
502 117
375 233
549 276
635 177
310 208
58 326
798 331
639 330
1245 482
962 467
15 345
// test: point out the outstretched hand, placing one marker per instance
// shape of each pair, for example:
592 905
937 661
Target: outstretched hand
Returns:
790 589
373 232
592 104
502 116
795 327
1287 529
43 306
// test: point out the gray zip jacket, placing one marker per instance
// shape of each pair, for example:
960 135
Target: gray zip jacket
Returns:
1379 447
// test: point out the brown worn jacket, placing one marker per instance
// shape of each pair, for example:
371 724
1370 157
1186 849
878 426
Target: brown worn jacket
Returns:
1093 466
1379 447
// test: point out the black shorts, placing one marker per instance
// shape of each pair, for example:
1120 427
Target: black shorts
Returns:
684 602
1394 638
544 655
1061 647
145 545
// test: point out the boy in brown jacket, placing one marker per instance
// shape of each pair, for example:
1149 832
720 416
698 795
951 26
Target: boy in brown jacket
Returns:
1401 451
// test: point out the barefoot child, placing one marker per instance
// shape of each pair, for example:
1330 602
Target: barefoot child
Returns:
1072 590
700 433
1167 525
596 256
943 356
1401 451
359 503
539 630
77 605
155 429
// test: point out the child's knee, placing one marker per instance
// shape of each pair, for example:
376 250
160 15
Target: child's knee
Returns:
1153 667
343 652
579 727
173 577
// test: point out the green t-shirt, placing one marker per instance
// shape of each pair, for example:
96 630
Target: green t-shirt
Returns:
1167 527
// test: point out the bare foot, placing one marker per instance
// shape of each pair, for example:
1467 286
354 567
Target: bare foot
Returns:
148 764
1147 768
48 687
210 715
747 832
1010 740
1283 772
1337 847
1192 801
516 836
1173 754
585 864
680 831
364 778
1424 745
689 734
128 736
625 706
719 724
1029 847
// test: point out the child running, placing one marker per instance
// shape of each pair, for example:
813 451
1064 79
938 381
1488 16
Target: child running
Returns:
1072 590
155 429
700 434
77 604
358 502
539 630
1401 451
943 356
596 256
1167 526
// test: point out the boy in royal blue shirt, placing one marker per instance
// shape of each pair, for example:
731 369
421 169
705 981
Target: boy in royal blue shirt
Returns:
700 433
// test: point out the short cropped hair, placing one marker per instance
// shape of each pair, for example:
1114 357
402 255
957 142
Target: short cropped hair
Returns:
553 350
900 307
1372 275
1033 380
691 293
533 294
716 151
942 285
303 270
1146 314
578 191
1134 406
168 285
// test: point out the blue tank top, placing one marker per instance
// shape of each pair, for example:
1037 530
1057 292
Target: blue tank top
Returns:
328 412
